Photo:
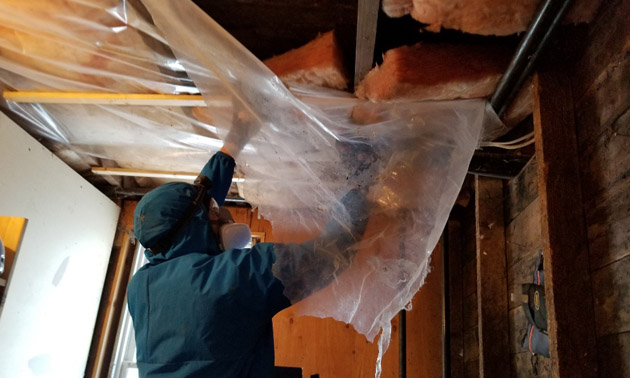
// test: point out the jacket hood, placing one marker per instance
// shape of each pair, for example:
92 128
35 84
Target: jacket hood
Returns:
160 210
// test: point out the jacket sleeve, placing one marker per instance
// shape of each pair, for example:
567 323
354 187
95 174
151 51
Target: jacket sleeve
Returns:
219 169
307 267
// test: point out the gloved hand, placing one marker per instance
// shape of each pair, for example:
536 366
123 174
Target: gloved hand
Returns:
244 127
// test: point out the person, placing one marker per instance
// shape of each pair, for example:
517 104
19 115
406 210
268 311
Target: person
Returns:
202 308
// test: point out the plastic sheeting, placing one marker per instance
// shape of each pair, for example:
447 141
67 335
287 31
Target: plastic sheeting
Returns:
295 170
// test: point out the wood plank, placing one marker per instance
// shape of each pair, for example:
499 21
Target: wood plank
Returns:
611 290
367 17
470 278
569 306
455 298
469 233
522 190
472 369
329 348
606 190
522 366
471 345
607 160
607 36
608 221
424 337
470 313
523 241
518 330
601 76
614 360
494 359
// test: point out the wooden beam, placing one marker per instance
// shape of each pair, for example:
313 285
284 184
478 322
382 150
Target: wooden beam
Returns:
367 17
568 291
143 99
492 291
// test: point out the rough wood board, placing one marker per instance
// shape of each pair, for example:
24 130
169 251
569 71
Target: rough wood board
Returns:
607 160
611 290
492 293
614 356
605 101
606 188
470 278
522 190
470 315
523 241
470 239
522 366
518 330
569 306
471 345
608 221
471 369
607 35
455 297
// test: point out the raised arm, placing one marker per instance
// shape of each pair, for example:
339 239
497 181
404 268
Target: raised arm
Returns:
220 170
305 268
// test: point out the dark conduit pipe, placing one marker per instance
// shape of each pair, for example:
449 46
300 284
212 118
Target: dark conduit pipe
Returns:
545 22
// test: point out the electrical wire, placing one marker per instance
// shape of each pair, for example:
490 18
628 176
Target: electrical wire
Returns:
513 144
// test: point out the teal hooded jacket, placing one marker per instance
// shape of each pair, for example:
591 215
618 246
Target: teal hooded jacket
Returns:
199 312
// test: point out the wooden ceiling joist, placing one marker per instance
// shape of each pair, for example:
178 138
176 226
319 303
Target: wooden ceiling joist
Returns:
142 99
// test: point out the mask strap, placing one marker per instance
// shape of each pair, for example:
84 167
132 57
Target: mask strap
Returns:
202 185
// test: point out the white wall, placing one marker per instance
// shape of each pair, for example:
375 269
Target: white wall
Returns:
47 321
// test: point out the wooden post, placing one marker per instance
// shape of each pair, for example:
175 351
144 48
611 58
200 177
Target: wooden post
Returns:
113 297
455 298
494 344
568 292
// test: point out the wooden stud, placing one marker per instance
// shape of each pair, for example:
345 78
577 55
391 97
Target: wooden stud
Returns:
568 291
492 305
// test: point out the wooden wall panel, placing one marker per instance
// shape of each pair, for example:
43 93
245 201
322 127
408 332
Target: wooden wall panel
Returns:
611 289
606 187
424 331
523 240
614 352
600 80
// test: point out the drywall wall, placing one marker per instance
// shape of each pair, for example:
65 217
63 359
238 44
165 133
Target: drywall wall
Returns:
48 316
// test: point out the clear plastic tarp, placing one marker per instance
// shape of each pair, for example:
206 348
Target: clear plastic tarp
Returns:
294 163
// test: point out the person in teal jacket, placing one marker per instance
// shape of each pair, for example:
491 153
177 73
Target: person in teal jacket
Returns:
200 311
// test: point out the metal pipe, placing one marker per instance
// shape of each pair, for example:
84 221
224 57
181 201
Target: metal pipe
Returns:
541 29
